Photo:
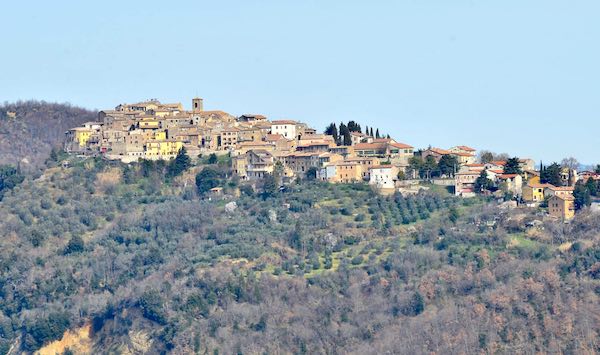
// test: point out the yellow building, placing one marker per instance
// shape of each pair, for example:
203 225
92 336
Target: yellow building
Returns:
562 206
349 172
148 123
82 135
162 149
534 192
160 136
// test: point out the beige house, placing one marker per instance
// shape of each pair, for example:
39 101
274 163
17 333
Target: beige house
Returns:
464 183
510 183
259 163
341 172
299 163
562 206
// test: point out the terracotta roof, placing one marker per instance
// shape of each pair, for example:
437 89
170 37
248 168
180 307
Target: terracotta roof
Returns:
462 154
466 148
475 165
217 112
564 197
507 176
365 146
273 137
561 188
382 140
498 162
401 145
284 122
438 151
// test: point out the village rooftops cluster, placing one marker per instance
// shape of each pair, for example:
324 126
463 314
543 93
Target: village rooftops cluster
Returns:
153 130
258 147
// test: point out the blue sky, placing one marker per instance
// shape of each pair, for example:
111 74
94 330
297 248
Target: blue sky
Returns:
509 76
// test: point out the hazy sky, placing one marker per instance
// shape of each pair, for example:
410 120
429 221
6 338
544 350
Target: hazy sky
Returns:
516 76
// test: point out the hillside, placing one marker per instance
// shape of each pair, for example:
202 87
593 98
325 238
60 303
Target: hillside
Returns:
29 130
318 268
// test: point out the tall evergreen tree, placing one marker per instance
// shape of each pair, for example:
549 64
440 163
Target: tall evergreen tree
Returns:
332 131
448 165
180 164
592 186
353 126
551 175
512 166
483 183
371 133
344 136
377 134
582 196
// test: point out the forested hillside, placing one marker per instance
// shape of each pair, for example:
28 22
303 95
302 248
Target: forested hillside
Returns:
30 129
142 256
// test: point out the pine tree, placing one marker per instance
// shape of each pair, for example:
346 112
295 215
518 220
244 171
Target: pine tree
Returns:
551 175
512 166
483 183
332 130
377 134
180 164
343 135
371 133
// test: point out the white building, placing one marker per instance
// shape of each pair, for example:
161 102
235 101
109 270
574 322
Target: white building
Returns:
383 176
286 128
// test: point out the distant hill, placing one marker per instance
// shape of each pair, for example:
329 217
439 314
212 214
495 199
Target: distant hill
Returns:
29 130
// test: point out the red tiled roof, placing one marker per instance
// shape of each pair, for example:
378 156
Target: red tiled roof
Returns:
401 145
363 146
466 148
498 162
561 188
564 197
438 151
273 137
284 122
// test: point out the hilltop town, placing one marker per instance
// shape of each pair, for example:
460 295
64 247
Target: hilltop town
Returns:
257 147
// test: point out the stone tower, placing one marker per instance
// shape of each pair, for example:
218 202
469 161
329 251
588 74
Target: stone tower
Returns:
197 104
